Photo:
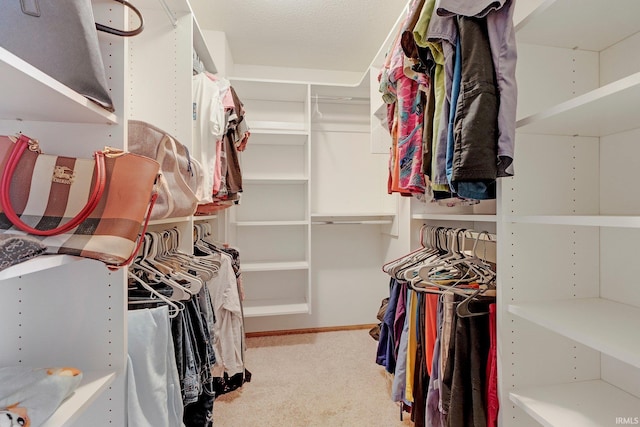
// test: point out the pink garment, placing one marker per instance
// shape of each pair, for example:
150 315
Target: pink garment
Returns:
227 101
410 121
493 404
217 170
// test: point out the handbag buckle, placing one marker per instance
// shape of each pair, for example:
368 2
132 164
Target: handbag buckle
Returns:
113 152
33 144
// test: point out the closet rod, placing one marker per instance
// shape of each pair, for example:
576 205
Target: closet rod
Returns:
351 222
341 99
167 9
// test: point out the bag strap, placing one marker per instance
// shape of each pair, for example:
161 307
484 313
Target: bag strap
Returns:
5 184
152 202
124 33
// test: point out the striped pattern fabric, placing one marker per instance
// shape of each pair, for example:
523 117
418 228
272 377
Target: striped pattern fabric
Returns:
47 191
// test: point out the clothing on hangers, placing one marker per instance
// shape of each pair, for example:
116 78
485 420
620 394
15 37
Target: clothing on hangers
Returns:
443 365
200 292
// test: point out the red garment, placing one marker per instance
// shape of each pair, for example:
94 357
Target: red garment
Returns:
430 328
493 404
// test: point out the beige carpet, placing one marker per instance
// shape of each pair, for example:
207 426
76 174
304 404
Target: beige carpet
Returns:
326 379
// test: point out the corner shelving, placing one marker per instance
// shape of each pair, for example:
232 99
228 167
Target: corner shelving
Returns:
271 226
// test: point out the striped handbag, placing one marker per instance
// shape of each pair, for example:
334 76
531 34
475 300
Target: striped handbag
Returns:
93 208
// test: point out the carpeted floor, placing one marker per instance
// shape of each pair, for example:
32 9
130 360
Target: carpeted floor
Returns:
327 379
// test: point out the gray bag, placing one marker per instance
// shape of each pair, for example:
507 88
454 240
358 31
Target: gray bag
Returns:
59 37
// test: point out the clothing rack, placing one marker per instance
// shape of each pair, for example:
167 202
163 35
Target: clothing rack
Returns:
202 292
441 305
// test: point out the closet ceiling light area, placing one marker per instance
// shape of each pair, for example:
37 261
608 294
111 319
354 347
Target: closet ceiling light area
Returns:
317 34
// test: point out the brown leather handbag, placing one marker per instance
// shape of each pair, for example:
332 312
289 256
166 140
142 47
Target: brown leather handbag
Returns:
92 208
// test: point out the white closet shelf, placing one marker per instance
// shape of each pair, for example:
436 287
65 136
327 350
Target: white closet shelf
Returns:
269 223
274 266
596 26
204 217
93 383
295 128
592 403
279 131
353 222
43 262
270 90
30 94
363 218
271 179
610 109
275 307
598 323
621 221
348 215
169 220
455 217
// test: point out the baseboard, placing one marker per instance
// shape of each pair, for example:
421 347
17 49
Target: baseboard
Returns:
309 330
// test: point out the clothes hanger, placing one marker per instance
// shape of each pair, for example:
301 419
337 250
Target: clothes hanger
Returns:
488 289
175 307
148 264
386 268
190 264
429 249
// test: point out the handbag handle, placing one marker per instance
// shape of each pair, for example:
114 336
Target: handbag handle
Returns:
124 33
5 183
140 238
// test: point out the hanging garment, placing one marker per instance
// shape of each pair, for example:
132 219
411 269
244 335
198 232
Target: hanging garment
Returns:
386 343
399 384
434 415
493 404
223 289
498 16
208 126
436 33
465 372
502 38
475 166
420 375
153 385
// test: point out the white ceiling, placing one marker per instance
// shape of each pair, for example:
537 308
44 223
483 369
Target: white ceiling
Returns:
342 35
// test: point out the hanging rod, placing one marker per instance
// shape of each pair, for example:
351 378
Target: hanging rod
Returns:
341 99
341 222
